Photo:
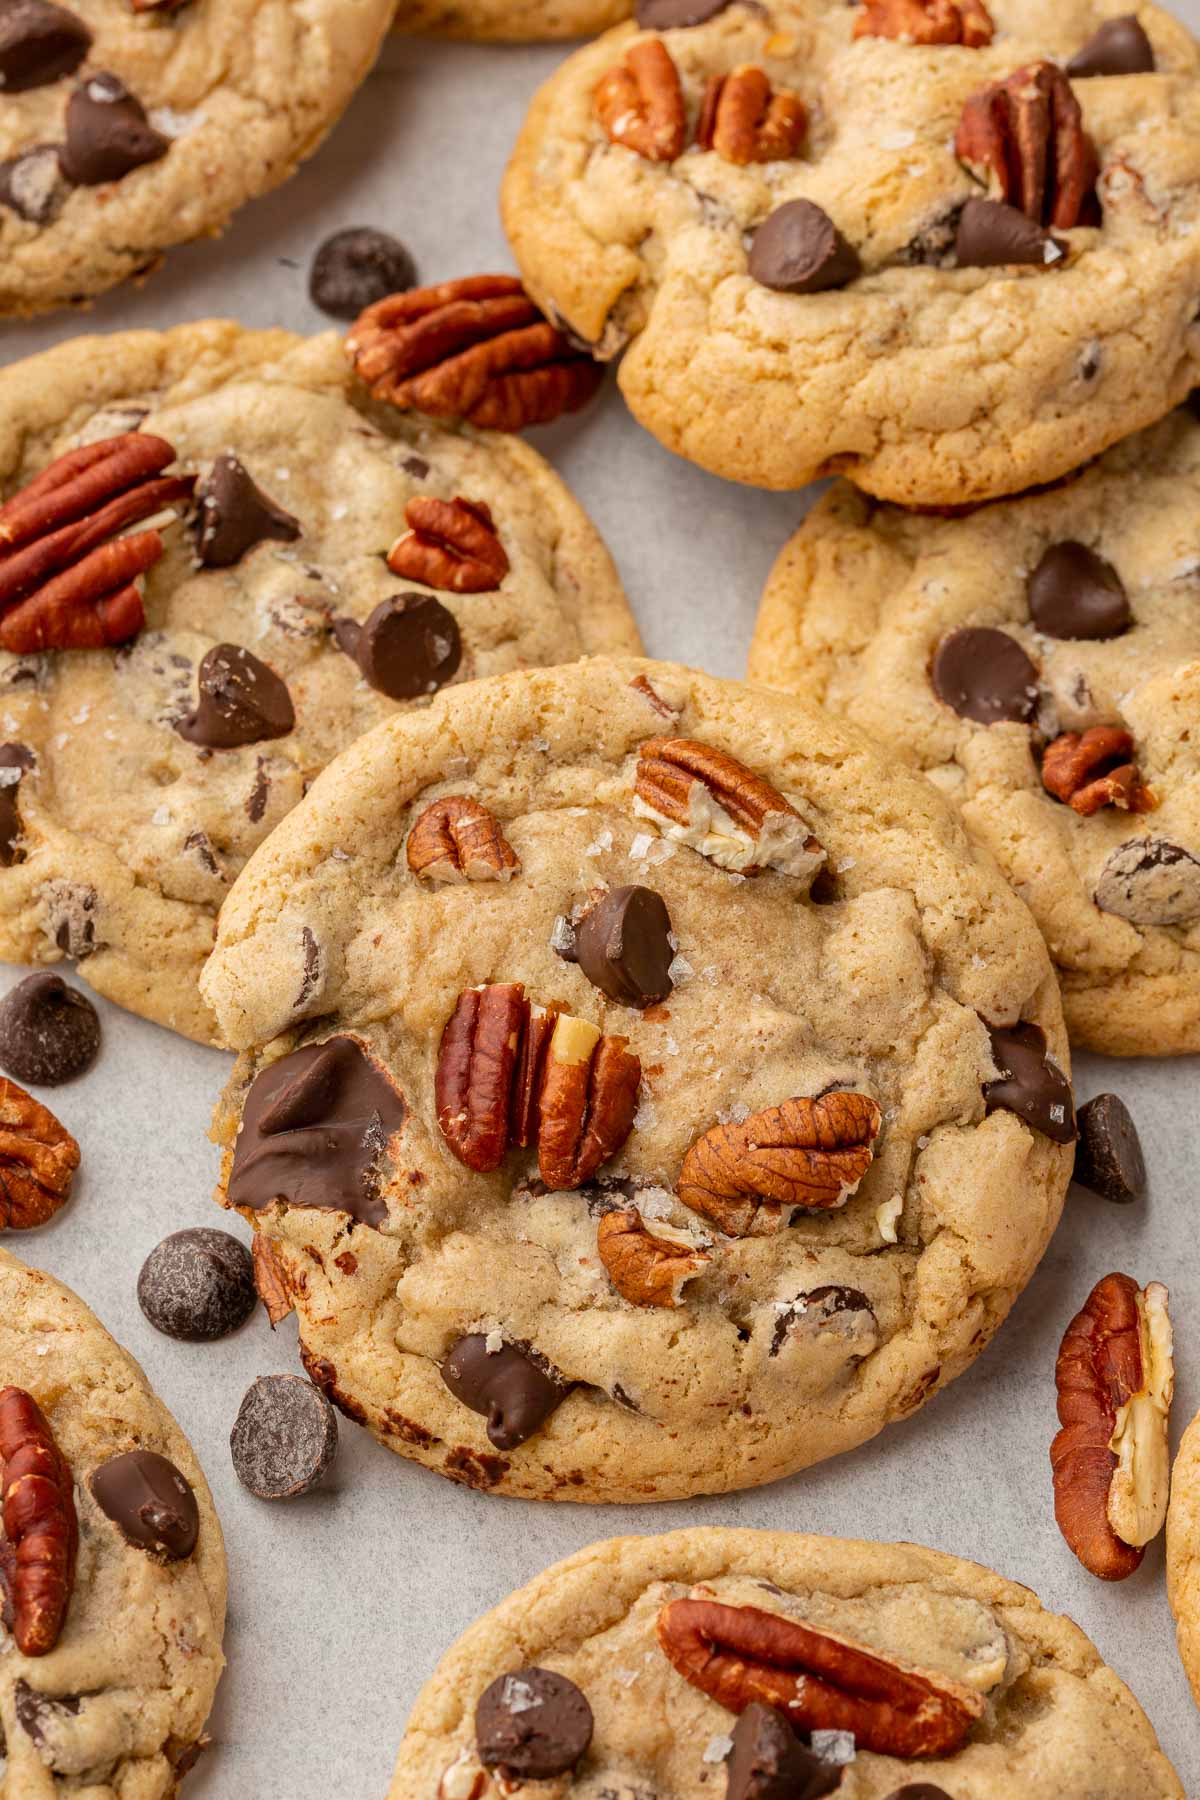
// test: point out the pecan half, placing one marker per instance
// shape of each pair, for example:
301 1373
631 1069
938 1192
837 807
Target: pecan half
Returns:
67 576
1096 770
647 1268
37 1496
699 796
451 544
458 839
640 102
586 1102
1024 139
38 1159
476 1067
271 1280
476 349
820 1681
1115 1378
927 21
745 120
807 1153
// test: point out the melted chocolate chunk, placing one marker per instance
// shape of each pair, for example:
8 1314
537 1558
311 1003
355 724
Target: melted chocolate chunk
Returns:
1151 881
992 234
284 1437
241 701
32 184
49 1033
1108 1156
768 1761
409 646
623 946
984 675
39 43
354 268
514 1392
1030 1085
16 760
1119 47
817 1307
37 1711
799 250
532 1725
234 515
198 1285
1073 593
150 1502
108 133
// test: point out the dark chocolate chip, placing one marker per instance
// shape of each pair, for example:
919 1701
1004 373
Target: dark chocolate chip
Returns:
1108 1156
623 946
1030 1085
409 646
416 466
150 1501
515 1393
233 515
532 1724
108 133
315 1131
1119 47
1073 593
197 1285
992 234
49 1033
284 1438
354 268
919 1790
32 184
39 43
36 1711
671 15
1151 881
799 250
16 760
240 701
984 675
768 1761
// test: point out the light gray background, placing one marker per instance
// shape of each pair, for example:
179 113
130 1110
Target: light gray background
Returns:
341 1603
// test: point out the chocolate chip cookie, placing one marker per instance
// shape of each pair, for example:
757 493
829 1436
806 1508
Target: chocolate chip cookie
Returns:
511 21
643 1091
756 1664
948 249
1040 660
1183 1552
217 567
112 1568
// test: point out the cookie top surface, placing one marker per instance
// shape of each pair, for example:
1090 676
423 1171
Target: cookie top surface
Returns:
119 1704
556 1321
926 381
1183 1552
134 819
855 617
512 21
127 126
1051 1718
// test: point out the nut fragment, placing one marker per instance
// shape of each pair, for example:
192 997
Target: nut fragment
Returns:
804 1152
745 121
699 796
38 1159
926 21
38 1502
271 1280
1095 770
451 544
640 102
1023 138
458 839
647 1268
1115 1378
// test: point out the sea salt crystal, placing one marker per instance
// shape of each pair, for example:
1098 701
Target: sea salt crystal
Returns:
339 855
599 844
645 1118
542 744
680 969
735 1114
672 1046
640 846
897 140
717 1749
923 1143
833 1746
518 1696
493 1343
626 1677
161 815
562 934
846 863
655 1203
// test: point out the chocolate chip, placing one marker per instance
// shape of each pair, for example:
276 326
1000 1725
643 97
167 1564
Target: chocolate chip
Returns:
1119 47
1150 881
1108 1156
623 946
1030 1085
768 1761
233 515
39 43
32 184
284 1438
240 701
1073 593
409 646
37 1711
49 1033
16 760
671 15
799 250
71 918
108 133
197 1285
918 1790
354 268
532 1725
984 675
150 1501
315 1130
515 1393
992 234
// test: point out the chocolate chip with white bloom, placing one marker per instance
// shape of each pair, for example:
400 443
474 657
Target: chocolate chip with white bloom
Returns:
32 185
1151 881
532 1725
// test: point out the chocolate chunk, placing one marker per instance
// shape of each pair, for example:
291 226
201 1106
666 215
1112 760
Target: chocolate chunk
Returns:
354 268
623 946
108 133
799 250
671 15
37 1711
515 1393
315 1130
815 1309
241 701
532 1725
1119 47
284 1438
1108 1156
1150 881
984 675
1073 593
1030 1085
39 43
150 1501
768 1761
992 234
918 1790
197 1285
32 184
409 646
233 515
16 760
49 1033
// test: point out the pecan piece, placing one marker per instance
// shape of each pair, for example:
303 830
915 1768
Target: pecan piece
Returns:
647 1268
1115 1378
586 1102
927 21
1095 770
640 103
458 839
820 1681
451 544
37 1496
38 1159
67 578
806 1153
476 349
744 120
1023 138
701 797
271 1280
476 1066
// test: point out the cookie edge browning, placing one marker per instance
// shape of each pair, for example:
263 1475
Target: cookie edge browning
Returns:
510 21
1183 1553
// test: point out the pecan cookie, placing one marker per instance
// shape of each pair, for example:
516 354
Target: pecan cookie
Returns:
1183 1552
292 569
755 1663
1040 660
674 1100
112 1568
949 251
511 21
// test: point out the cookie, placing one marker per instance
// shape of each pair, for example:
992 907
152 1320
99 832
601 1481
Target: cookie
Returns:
115 1595
912 1673
676 1101
1183 1552
129 126
135 780
808 228
1040 660
511 21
